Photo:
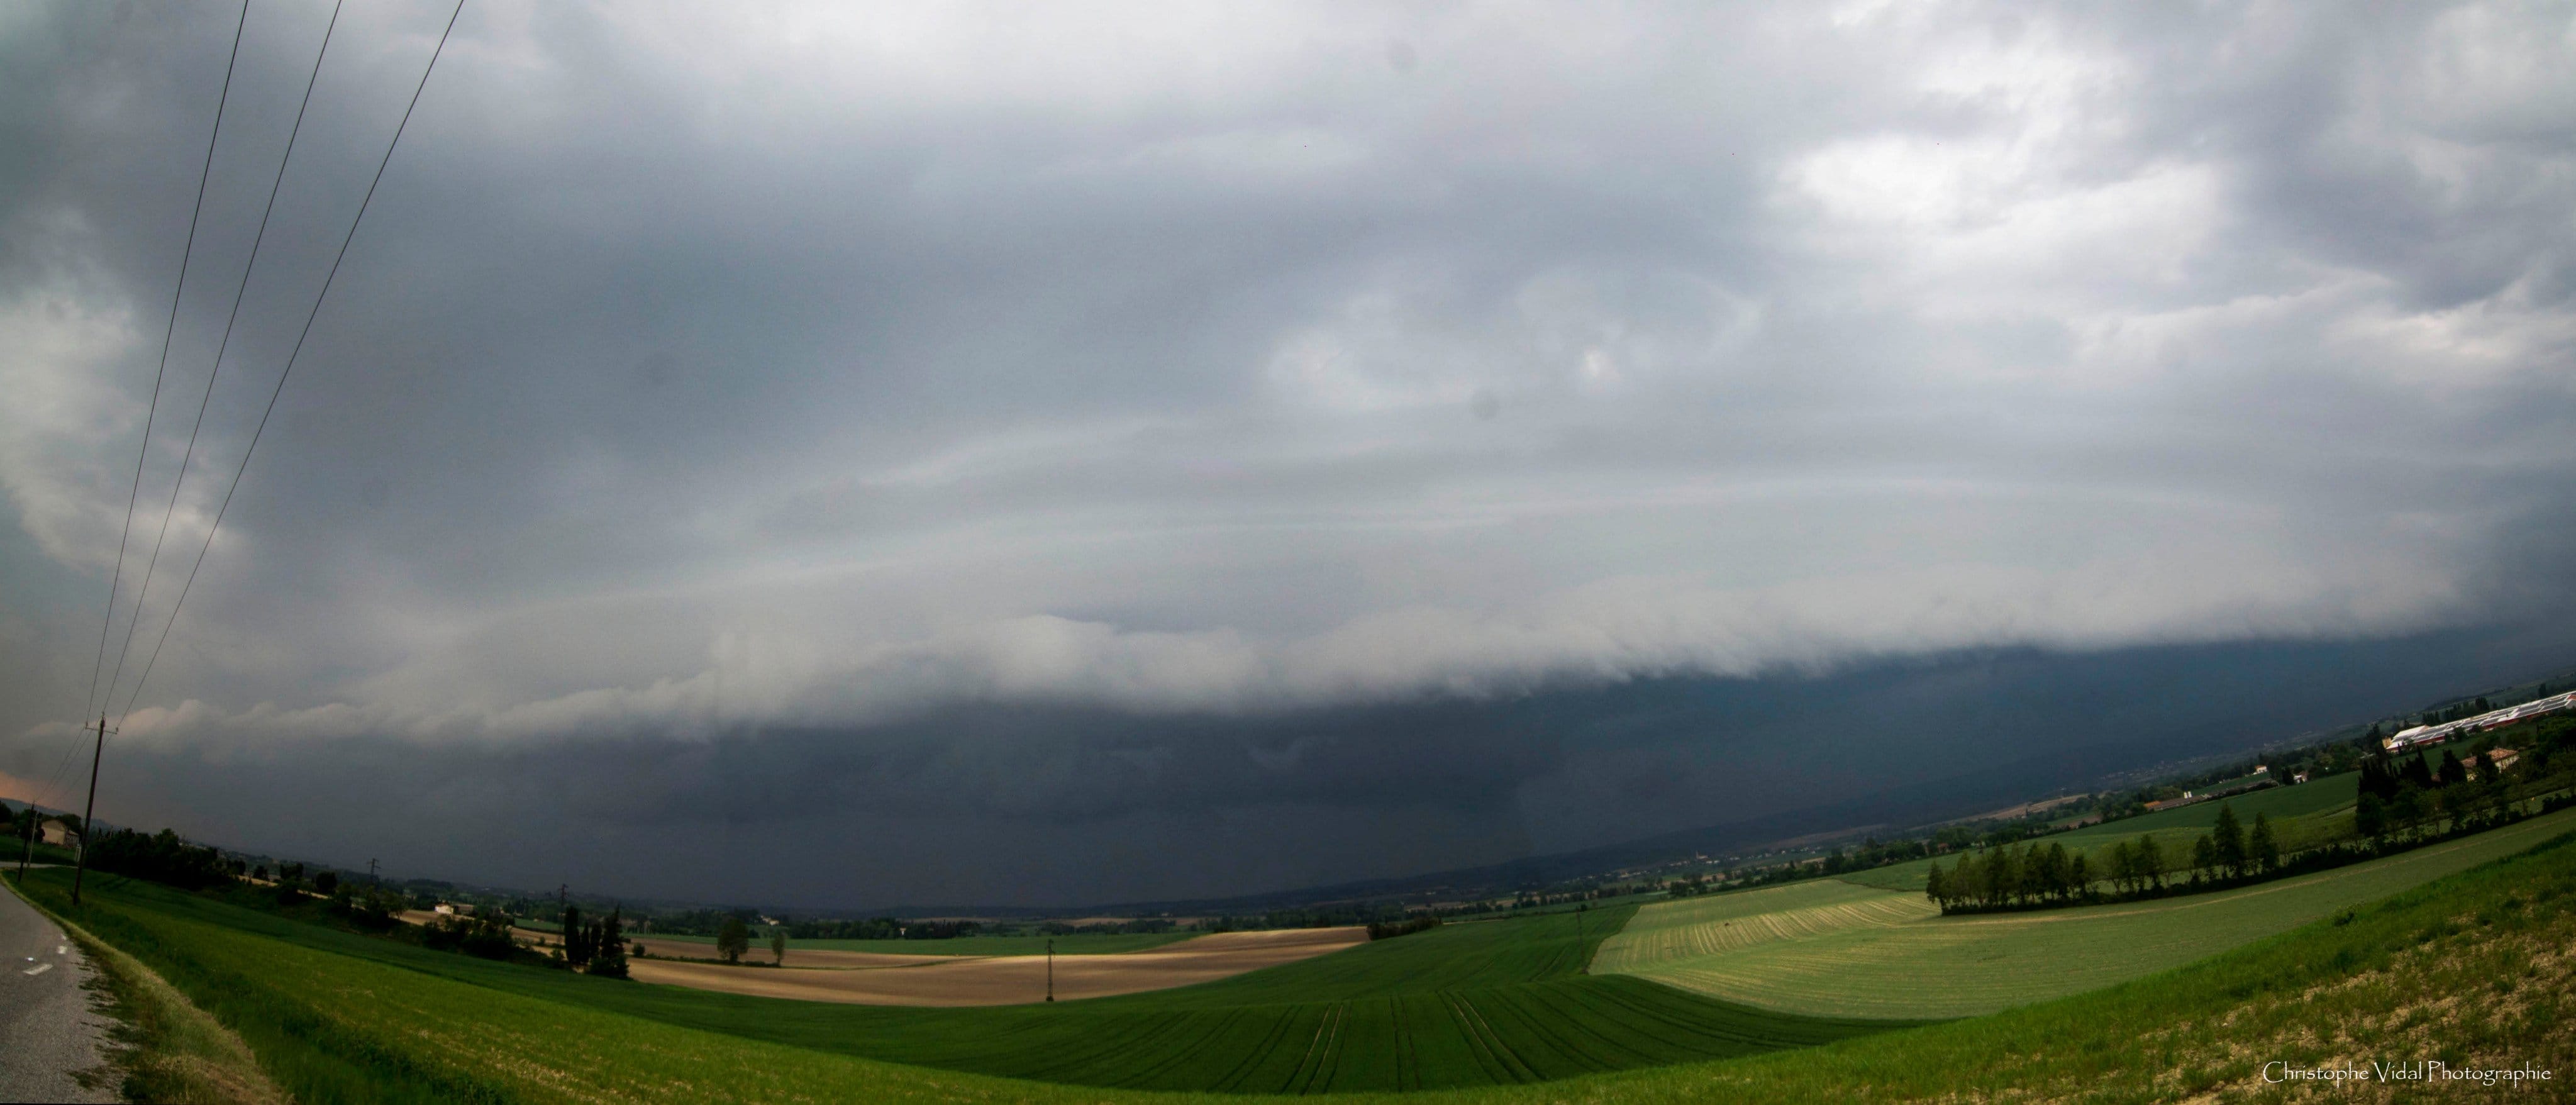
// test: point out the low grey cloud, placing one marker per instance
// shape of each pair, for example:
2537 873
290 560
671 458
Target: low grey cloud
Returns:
861 377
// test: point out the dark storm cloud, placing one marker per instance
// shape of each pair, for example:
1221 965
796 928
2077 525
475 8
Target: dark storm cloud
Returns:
1120 416
1086 808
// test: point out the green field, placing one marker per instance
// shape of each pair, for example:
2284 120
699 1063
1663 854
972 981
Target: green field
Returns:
41 853
1460 1005
1855 952
334 1017
1691 930
1088 943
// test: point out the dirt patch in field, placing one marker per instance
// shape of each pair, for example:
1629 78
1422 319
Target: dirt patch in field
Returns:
1004 980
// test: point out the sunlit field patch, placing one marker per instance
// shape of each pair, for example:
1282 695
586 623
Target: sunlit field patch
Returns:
1929 966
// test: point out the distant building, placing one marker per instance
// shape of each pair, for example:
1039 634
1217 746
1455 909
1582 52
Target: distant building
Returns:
2297 777
455 909
2436 734
59 831
2497 758
2262 769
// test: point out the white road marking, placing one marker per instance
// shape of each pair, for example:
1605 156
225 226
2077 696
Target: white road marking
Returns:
62 949
40 968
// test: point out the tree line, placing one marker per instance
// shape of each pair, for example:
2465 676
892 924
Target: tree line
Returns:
873 928
1388 930
594 947
2038 875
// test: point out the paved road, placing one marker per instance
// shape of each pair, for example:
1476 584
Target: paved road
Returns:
47 1027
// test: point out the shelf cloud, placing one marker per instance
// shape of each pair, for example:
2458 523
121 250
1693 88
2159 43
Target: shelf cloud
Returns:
708 374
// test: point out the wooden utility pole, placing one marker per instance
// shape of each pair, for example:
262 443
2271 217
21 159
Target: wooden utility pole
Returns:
1050 968
89 813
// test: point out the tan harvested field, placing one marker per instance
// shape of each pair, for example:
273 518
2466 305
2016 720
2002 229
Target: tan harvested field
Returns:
684 949
1005 980
797 957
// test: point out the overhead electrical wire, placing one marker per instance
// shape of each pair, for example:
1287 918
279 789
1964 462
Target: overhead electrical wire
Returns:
258 238
169 328
196 212
291 358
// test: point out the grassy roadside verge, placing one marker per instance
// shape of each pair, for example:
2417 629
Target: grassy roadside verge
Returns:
167 1049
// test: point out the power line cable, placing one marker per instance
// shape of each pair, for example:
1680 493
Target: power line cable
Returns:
291 358
116 577
257 239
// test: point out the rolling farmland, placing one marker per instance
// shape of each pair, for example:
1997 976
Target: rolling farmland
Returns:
1004 980
338 1017
1834 953
1462 1005
1694 928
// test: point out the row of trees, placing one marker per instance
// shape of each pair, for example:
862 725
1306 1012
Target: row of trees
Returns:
2401 796
873 928
597 947
161 857
2009 875
2049 874
1388 930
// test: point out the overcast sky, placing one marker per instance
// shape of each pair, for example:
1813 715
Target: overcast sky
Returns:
1249 443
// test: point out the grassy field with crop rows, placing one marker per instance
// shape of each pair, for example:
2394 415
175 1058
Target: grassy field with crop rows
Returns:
1932 966
1461 1005
2475 961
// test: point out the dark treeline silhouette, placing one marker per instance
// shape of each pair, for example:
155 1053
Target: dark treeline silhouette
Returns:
882 928
2403 803
1321 917
1388 930
161 857
1140 924
596 947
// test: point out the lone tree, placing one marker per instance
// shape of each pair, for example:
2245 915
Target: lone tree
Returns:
2264 851
2227 841
2452 772
777 944
2151 860
733 939
2370 816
